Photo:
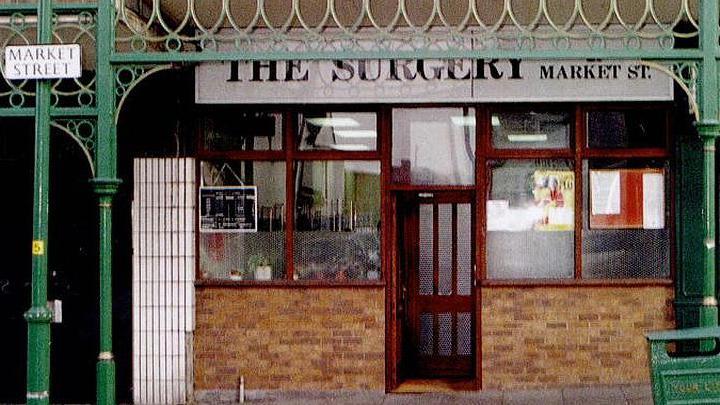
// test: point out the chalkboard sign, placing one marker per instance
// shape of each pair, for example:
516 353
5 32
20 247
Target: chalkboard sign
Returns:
228 209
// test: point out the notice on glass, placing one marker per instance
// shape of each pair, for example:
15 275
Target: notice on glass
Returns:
228 209
605 192
653 201
497 212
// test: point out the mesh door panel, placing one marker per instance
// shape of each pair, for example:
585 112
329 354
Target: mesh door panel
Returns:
445 249
426 245
445 335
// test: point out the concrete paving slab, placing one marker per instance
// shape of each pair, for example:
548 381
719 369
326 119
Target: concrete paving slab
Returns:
637 392
596 395
527 397
433 399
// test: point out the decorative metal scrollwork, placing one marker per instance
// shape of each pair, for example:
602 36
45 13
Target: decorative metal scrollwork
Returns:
84 132
401 25
129 76
686 74
18 28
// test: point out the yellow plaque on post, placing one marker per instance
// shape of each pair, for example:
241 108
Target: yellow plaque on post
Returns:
38 248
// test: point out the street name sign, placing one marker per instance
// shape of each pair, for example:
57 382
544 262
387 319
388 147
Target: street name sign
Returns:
42 62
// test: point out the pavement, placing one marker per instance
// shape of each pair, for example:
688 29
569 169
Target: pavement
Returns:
585 395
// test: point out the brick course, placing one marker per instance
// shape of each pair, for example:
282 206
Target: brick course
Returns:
552 336
287 338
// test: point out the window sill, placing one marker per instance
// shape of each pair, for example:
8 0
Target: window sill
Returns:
210 283
629 282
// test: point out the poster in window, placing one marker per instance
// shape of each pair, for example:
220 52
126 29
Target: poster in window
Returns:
229 209
554 194
639 195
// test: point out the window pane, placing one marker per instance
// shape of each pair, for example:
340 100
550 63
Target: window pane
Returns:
626 129
531 130
233 130
258 255
434 146
337 218
530 219
625 224
342 131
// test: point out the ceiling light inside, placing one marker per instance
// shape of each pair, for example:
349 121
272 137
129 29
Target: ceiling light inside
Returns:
336 122
463 121
527 137
356 133
354 147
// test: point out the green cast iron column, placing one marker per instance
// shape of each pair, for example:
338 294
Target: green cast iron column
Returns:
709 129
708 314
105 186
39 315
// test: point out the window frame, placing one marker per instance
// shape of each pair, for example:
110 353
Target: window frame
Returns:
290 153
577 153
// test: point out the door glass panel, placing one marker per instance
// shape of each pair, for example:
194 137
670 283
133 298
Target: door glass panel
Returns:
464 334
425 345
445 334
464 249
426 245
433 146
445 249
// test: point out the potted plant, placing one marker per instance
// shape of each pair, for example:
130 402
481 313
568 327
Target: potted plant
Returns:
261 266
237 274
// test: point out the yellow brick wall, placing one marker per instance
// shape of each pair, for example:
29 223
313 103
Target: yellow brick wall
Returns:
290 338
551 336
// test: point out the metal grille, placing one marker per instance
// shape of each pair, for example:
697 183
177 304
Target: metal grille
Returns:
445 249
626 253
426 245
427 341
464 249
464 334
336 255
163 279
445 335
225 255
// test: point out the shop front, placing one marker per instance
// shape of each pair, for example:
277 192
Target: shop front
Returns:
424 224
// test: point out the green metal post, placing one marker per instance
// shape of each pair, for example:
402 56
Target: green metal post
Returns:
709 130
39 315
105 186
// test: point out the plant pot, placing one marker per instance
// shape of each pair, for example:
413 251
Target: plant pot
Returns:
263 273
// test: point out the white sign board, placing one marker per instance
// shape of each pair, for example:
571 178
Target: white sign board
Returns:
42 62
417 81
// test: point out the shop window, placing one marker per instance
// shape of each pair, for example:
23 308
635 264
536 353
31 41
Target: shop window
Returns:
308 212
530 130
530 219
626 129
242 206
337 220
228 130
340 131
626 231
433 146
